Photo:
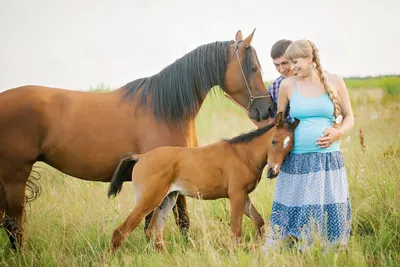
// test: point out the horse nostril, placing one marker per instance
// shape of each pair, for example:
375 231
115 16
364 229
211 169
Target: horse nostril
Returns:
271 173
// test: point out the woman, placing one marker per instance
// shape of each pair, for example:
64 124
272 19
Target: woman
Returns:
311 199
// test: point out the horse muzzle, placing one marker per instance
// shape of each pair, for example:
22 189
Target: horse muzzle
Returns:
271 174
261 109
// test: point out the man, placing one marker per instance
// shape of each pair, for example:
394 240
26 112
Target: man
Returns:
282 65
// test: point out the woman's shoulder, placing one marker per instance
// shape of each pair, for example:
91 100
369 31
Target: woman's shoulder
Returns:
333 77
288 82
336 81
287 85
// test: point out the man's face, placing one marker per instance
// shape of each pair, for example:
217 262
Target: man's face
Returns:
282 65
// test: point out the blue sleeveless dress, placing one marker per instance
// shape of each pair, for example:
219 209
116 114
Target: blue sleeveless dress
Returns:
311 196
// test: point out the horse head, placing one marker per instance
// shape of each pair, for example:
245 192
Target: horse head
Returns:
243 80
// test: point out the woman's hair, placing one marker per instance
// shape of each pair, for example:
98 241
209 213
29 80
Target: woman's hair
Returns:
305 48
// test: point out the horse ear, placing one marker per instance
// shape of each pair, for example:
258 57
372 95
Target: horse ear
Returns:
294 124
248 40
279 120
239 36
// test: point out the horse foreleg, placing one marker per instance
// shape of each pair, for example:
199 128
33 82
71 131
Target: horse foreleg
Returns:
238 202
181 215
251 212
160 215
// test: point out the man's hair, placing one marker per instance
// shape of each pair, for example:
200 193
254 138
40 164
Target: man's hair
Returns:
279 48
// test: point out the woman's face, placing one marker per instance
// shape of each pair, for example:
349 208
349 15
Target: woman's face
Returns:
300 66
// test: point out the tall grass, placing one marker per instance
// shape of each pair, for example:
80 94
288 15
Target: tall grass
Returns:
390 84
72 221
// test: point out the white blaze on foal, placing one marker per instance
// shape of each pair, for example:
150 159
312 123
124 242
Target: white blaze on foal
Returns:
275 168
286 142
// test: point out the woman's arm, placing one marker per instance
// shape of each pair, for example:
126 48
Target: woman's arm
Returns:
345 103
331 134
283 98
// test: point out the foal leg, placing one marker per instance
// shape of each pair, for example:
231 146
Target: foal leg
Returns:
181 215
238 202
253 214
130 223
160 215
147 202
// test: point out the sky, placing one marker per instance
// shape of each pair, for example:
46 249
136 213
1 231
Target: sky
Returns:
82 44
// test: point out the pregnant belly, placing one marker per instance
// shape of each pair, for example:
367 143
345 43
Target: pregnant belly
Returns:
306 134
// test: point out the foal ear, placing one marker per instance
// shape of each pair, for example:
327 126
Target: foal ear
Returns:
248 39
294 124
239 36
279 120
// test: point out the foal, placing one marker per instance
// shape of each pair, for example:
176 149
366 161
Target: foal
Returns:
226 169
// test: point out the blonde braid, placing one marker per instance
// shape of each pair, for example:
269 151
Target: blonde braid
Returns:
332 96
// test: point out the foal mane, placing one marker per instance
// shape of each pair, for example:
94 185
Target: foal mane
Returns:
247 137
177 92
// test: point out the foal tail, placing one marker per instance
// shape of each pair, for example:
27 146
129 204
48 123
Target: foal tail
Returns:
122 173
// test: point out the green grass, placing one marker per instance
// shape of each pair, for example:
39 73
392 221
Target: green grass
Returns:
71 223
390 84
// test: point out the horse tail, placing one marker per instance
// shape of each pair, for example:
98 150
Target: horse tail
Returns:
33 188
122 173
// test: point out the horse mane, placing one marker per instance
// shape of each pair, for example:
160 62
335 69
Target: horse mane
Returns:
247 137
177 92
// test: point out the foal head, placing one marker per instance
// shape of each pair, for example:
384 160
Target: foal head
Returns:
281 144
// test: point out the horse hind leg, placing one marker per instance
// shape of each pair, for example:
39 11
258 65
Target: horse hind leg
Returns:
14 184
147 220
3 203
181 215
160 215
33 188
147 202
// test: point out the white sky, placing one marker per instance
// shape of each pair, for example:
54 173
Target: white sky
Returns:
80 44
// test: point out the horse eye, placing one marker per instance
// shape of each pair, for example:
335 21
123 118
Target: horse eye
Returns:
273 142
254 69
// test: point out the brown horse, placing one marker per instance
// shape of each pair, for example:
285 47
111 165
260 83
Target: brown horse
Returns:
226 169
84 134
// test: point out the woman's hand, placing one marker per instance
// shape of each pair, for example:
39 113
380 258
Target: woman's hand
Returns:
329 136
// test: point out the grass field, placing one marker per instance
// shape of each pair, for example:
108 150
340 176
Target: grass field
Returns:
71 223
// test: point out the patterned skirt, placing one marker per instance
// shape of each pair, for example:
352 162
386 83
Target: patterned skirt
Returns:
311 200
